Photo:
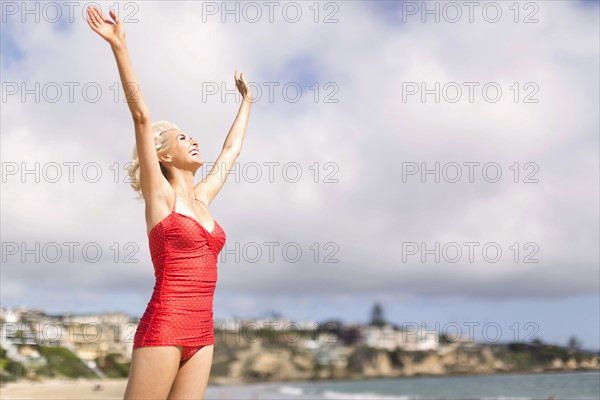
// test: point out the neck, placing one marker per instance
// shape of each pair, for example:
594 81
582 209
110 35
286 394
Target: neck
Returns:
182 182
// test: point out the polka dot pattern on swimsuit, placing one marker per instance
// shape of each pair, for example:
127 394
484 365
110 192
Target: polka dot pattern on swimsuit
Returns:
184 255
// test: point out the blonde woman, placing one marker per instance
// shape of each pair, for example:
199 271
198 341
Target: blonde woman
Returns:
173 344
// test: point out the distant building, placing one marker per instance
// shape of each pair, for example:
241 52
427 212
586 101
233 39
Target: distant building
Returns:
392 339
94 336
90 336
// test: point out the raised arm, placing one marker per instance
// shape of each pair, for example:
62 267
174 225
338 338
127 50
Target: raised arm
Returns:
207 189
152 181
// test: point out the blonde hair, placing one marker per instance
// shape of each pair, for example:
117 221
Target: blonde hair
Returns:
161 145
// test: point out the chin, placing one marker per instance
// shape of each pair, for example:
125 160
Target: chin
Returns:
197 160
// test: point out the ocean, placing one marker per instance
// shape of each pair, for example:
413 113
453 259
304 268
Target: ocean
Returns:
542 386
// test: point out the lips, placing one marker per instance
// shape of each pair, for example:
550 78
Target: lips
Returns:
194 152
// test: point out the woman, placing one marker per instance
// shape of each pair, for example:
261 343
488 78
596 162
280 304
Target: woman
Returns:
173 344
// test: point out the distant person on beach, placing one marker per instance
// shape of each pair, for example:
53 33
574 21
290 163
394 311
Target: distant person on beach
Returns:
173 344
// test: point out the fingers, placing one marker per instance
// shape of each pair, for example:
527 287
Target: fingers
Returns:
89 13
95 16
99 14
114 16
92 12
99 17
239 77
242 85
91 20
91 24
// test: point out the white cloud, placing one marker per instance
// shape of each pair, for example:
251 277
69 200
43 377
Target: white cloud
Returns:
368 134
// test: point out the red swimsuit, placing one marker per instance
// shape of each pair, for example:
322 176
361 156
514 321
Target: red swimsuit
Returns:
180 312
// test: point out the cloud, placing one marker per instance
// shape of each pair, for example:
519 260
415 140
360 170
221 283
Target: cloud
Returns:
368 136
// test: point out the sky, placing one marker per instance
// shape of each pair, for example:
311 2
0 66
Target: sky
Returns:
442 162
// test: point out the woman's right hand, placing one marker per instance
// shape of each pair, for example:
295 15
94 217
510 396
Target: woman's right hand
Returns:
113 33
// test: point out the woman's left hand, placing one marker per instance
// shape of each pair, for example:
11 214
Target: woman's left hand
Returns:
242 86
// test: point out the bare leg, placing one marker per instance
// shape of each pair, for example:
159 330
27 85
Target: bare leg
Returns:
152 372
192 379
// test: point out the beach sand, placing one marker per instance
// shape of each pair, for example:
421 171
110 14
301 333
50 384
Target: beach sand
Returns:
112 389
63 389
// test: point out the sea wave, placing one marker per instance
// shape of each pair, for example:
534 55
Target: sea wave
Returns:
291 391
331 394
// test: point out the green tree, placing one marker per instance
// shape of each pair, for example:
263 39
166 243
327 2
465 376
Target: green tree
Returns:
377 318
574 343
537 341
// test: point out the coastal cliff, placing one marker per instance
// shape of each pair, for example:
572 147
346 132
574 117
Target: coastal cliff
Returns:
243 361
255 362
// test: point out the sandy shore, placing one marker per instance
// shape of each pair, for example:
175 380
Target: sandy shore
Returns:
63 389
112 389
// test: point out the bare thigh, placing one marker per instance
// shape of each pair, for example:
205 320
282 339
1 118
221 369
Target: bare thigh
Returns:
192 378
152 372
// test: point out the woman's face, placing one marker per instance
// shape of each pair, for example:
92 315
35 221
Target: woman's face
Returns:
183 149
